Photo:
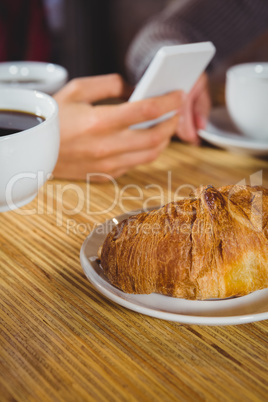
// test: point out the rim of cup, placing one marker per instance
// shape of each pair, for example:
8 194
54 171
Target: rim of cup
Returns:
38 95
49 73
247 71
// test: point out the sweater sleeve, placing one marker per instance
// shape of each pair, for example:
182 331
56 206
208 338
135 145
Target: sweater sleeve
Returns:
229 24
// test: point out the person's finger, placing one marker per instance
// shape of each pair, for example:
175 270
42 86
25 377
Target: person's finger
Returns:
202 102
93 89
129 160
201 110
124 141
186 130
118 117
195 111
114 166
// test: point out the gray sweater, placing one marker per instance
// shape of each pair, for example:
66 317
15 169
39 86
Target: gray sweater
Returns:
229 24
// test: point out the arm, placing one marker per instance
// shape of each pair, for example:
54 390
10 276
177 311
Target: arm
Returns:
229 24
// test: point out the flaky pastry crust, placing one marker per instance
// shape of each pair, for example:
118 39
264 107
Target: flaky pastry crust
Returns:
211 245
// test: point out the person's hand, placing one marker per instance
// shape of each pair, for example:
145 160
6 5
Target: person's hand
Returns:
98 138
195 111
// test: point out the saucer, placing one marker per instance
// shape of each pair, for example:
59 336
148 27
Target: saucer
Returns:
231 311
45 77
221 132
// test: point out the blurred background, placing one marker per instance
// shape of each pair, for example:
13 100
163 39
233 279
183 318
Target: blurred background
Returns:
88 37
91 37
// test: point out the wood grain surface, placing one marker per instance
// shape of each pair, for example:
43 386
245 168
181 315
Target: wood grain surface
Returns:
60 340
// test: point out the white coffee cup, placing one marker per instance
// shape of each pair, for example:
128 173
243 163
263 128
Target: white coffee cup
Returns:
45 77
29 156
247 98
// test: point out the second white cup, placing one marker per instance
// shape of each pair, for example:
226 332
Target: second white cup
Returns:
247 98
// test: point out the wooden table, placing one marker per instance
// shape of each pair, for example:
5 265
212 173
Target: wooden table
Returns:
60 340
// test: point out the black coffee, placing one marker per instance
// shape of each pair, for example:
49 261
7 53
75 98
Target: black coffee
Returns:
14 121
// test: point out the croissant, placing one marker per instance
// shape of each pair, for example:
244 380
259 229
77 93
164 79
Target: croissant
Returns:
211 245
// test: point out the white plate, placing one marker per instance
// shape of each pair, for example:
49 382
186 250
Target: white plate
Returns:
220 131
45 77
241 310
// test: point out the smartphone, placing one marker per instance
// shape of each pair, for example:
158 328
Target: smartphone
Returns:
172 68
